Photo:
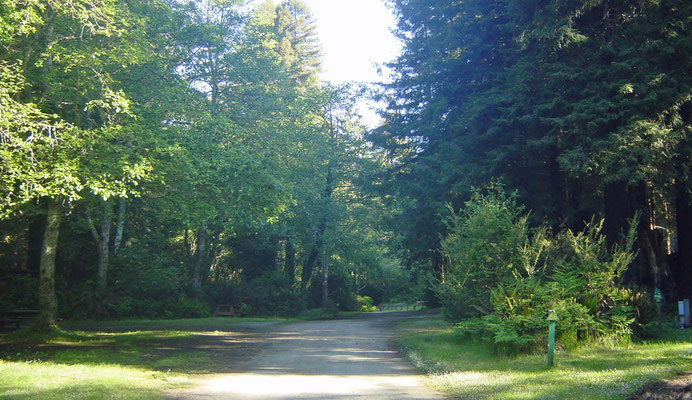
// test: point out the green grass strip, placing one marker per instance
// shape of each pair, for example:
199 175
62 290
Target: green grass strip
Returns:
466 369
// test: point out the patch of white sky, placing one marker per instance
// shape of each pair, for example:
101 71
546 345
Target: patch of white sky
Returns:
355 35
357 39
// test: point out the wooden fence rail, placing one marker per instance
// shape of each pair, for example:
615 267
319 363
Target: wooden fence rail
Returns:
401 306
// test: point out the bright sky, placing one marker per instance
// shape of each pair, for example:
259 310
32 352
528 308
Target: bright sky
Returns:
355 35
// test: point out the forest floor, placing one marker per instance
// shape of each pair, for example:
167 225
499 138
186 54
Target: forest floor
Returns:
462 368
212 358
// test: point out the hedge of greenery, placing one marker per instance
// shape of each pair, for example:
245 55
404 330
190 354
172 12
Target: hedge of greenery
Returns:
503 277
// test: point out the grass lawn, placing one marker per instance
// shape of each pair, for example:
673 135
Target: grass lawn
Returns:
136 359
467 370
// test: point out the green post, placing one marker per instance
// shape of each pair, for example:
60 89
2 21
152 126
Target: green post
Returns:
552 318
658 298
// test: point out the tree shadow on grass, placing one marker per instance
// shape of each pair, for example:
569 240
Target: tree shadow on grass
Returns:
188 352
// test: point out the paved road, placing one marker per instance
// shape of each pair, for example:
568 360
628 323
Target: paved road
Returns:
344 359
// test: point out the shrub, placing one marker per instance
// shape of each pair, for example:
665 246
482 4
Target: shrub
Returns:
273 294
19 292
482 248
365 304
188 307
501 285
93 301
315 314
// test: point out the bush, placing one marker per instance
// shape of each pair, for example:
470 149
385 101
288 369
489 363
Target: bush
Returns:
19 292
315 314
501 285
93 302
272 294
188 307
482 249
365 304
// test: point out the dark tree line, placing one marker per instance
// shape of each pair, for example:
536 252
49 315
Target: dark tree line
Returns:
583 107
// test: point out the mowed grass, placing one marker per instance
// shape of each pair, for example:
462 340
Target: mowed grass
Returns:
119 360
470 370
52 380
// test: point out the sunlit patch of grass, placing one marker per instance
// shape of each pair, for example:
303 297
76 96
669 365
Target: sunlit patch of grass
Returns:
121 359
52 380
470 370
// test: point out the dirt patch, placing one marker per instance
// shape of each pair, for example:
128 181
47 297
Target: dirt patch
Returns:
677 388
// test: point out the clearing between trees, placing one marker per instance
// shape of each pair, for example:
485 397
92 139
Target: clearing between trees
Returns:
216 358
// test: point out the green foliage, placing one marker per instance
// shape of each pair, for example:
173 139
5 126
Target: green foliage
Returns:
187 307
482 251
582 107
94 301
298 46
503 284
272 294
232 165
365 304
18 293
462 368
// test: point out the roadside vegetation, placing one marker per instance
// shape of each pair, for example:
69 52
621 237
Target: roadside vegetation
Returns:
504 276
173 159
467 368
130 359
76 364
179 156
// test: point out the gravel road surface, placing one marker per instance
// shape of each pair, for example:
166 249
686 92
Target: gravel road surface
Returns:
342 359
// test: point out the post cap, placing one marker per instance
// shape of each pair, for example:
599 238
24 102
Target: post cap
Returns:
552 316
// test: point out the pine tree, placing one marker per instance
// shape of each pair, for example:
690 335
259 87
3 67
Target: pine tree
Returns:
581 106
299 48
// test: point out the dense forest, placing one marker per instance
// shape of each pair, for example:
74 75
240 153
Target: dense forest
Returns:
560 130
161 157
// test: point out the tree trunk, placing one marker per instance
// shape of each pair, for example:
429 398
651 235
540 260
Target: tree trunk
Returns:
325 279
618 209
36 231
652 243
120 226
558 188
199 260
48 302
310 263
290 260
647 246
683 221
321 229
102 238
103 243
683 208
